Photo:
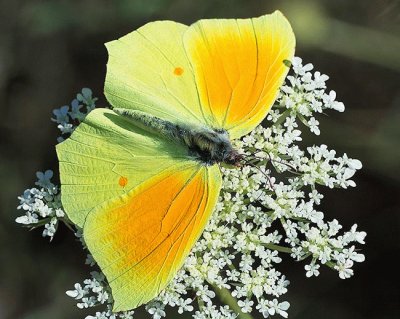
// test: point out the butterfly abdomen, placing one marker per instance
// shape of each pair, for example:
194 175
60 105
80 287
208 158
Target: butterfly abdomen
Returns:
150 123
207 145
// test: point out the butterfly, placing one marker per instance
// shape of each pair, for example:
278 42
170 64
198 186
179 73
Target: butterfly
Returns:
142 179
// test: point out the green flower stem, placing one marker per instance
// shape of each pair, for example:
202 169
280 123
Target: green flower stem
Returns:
279 248
40 223
282 118
226 297
68 224
200 303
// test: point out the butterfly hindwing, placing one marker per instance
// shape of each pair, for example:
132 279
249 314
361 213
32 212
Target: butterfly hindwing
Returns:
140 240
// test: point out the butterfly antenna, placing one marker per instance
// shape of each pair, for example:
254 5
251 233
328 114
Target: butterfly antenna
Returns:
271 184
272 160
292 168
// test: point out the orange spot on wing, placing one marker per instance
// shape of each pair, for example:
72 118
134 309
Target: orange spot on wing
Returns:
123 181
178 71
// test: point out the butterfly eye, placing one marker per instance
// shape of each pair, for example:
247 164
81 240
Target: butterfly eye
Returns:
221 131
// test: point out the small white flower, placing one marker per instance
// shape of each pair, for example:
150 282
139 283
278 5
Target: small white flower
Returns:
65 128
185 305
354 164
280 308
353 255
78 292
334 227
315 196
320 79
102 297
298 67
246 305
330 102
344 269
27 219
354 235
313 125
44 179
157 310
61 114
50 228
59 212
312 270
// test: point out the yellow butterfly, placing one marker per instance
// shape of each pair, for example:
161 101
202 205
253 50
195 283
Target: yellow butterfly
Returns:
141 179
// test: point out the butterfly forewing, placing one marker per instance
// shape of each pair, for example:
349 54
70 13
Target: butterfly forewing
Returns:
239 67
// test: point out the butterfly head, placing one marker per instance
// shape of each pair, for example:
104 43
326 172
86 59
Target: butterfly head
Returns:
233 158
213 146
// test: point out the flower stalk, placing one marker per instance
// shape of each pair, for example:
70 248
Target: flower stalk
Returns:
279 248
225 296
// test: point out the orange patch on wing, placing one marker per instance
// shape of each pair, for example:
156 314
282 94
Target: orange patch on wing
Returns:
178 71
141 241
123 181
238 66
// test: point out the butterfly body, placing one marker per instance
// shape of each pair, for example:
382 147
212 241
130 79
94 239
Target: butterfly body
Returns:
141 179
207 145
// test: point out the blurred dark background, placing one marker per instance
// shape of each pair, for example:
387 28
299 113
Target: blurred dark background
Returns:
49 50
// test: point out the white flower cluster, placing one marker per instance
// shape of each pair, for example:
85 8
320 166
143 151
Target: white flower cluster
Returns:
42 205
304 94
95 292
267 208
68 117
